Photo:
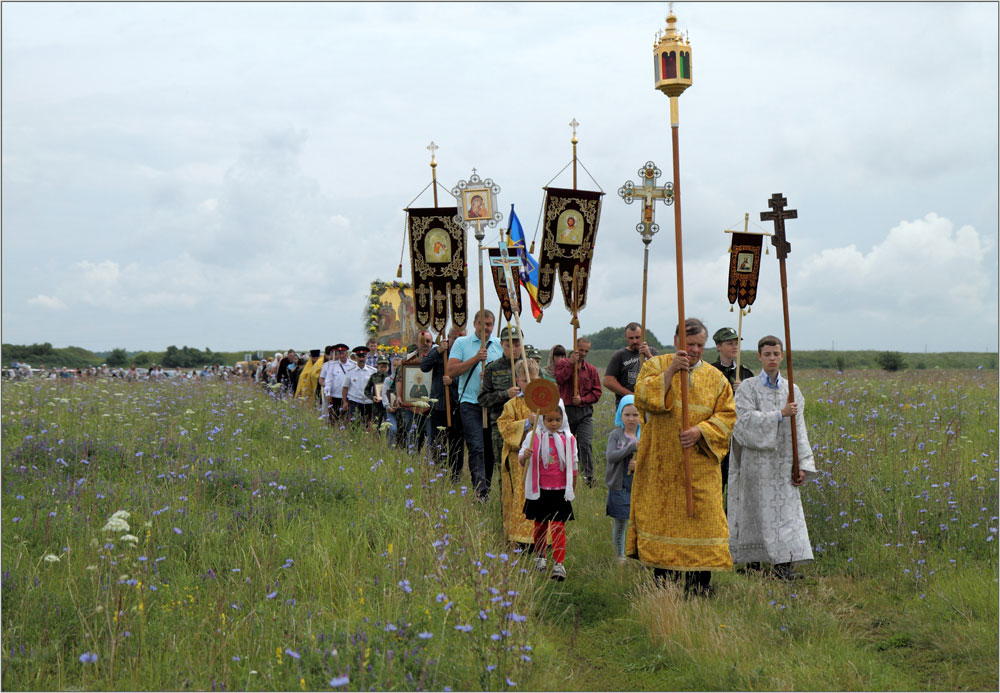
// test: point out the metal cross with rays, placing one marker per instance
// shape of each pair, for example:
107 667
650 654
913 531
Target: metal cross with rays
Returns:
573 124
649 193
432 148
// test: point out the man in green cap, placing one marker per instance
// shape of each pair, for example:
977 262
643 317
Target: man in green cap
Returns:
499 386
728 344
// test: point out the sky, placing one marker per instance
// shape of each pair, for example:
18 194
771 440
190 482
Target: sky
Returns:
233 175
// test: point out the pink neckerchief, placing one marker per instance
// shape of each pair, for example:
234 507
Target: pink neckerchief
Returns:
561 448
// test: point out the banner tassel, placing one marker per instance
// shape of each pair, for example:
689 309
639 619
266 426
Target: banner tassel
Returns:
399 271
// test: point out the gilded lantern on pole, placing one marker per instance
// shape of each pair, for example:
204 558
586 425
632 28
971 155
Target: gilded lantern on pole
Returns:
672 60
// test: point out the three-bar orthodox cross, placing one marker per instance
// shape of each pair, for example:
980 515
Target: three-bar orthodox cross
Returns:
782 247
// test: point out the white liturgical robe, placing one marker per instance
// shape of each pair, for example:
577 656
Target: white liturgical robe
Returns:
766 522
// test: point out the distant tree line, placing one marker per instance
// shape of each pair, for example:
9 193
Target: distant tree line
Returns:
614 338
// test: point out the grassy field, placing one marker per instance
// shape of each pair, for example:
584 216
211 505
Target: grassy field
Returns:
263 551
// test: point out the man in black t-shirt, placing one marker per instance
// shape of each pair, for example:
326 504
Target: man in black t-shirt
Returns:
623 369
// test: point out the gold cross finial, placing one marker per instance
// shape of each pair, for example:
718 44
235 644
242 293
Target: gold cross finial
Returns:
432 148
573 124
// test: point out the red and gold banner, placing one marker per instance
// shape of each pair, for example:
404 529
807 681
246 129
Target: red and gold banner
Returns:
437 255
744 268
569 226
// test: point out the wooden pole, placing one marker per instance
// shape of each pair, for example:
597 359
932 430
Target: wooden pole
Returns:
682 331
447 388
645 278
739 343
483 336
576 324
788 360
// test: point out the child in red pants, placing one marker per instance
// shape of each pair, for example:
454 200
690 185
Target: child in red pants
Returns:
552 459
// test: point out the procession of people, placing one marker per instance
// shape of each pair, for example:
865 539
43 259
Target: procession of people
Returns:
469 409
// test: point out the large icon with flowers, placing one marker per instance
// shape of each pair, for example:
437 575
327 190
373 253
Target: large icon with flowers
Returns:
390 315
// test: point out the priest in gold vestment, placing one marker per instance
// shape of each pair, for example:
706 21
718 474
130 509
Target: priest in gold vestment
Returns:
660 533
515 421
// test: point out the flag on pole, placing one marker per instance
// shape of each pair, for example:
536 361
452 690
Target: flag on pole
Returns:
529 267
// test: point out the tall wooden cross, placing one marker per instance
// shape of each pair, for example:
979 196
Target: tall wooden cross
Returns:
777 203
649 193
782 247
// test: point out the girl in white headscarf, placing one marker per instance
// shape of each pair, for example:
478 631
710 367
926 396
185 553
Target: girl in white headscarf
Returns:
553 464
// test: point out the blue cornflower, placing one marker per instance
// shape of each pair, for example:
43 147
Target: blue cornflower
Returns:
177 530
464 629
425 635
338 681
88 657
273 594
292 653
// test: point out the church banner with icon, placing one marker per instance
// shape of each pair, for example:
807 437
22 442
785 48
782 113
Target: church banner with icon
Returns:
437 254
744 268
569 224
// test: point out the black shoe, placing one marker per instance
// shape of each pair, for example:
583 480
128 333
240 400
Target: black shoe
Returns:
785 571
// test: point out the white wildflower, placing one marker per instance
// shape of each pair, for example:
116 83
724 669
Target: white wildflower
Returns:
130 538
51 558
117 522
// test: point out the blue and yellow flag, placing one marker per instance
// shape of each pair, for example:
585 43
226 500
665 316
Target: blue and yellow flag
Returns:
529 266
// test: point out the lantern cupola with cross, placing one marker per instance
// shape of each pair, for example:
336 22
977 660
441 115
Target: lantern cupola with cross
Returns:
672 60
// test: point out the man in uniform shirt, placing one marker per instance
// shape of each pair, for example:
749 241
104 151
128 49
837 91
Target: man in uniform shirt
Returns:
354 401
469 355
498 386
623 368
728 344
333 381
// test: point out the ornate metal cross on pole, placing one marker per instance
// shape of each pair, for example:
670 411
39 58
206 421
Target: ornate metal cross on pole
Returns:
649 193
508 262
782 247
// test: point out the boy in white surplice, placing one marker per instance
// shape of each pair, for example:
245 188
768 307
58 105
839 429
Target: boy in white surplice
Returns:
766 522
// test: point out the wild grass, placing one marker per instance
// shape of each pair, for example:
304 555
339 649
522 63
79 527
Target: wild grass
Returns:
273 553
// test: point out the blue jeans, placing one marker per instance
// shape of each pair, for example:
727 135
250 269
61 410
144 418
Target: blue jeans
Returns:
480 455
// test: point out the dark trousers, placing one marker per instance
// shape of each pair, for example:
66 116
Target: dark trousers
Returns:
335 413
581 424
359 413
411 429
697 581
480 454
449 444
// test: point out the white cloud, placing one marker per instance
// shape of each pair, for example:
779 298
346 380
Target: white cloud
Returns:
923 267
49 302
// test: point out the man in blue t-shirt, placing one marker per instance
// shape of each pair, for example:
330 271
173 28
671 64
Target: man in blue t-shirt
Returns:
467 358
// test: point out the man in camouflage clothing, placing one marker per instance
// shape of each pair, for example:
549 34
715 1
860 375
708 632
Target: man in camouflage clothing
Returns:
498 385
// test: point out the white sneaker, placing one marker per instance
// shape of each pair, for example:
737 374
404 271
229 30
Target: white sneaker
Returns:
558 572
540 564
